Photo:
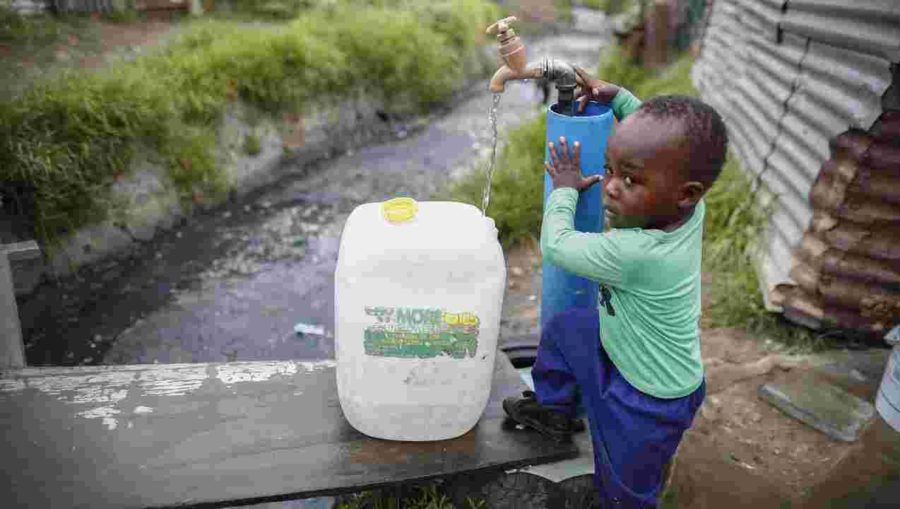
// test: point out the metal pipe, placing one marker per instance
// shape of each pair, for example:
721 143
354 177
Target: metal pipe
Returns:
557 71
565 77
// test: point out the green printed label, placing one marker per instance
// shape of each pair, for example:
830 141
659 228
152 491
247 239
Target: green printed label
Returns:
421 332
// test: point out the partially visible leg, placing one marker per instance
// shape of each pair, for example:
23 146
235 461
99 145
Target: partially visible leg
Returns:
567 340
551 407
634 436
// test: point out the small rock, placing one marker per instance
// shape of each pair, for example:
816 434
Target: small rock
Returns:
532 298
512 285
708 413
226 215
98 338
178 235
517 271
88 359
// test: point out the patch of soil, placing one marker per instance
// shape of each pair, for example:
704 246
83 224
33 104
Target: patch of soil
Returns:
86 43
521 304
739 429
116 36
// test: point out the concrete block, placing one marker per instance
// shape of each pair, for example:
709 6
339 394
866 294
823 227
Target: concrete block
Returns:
821 405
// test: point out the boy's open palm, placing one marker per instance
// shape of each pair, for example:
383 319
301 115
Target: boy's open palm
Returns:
565 170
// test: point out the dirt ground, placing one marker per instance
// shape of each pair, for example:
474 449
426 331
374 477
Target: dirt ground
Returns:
83 42
741 451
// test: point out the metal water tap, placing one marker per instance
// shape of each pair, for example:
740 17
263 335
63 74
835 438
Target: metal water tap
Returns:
512 51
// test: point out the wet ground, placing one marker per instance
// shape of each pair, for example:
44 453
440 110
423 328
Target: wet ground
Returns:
232 284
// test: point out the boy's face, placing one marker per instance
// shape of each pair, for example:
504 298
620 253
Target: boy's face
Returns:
646 183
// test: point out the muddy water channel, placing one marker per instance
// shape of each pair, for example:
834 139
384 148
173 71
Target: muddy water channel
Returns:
238 283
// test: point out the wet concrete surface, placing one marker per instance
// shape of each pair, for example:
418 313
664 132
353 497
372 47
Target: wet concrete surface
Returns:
231 284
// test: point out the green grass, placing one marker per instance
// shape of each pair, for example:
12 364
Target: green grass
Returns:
35 30
70 138
609 6
734 221
422 497
517 190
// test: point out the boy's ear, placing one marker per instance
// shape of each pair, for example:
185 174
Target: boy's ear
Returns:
690 193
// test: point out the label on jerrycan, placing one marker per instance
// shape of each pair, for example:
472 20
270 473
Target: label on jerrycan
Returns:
412 332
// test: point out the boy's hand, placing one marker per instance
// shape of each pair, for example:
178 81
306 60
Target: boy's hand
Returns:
593 89
565 171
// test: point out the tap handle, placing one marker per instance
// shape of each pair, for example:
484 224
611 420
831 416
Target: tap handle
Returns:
501 26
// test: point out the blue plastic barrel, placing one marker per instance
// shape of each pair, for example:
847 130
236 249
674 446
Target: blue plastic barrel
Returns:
591 128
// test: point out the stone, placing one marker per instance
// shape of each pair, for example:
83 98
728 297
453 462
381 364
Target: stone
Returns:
820 405
88 245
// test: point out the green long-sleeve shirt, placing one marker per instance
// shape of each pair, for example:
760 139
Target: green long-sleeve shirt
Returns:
649 323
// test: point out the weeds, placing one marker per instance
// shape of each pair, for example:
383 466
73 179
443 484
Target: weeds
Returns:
252 145
610 7
69 139
424 497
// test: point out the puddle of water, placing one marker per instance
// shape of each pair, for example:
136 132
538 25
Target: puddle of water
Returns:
486 195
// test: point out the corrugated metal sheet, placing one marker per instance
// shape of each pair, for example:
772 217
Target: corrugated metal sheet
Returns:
847 267
788 77
866 26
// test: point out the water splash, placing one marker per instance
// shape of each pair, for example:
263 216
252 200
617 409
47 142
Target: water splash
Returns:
486 194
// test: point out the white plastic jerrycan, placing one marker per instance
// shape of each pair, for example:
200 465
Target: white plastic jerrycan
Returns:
418 293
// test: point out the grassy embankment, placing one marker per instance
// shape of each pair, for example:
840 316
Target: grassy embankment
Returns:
68 139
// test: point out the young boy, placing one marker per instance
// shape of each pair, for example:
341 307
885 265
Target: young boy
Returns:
634 362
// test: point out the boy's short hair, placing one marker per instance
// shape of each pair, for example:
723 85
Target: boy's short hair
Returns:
703 127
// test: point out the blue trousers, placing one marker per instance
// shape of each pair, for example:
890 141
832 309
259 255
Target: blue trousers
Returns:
633 434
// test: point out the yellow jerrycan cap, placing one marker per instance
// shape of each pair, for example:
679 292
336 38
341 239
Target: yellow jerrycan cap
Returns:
399 210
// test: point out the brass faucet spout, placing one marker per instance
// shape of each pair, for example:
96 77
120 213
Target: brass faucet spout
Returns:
504 74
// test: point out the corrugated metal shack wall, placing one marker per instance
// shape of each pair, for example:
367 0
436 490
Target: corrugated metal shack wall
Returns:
789 76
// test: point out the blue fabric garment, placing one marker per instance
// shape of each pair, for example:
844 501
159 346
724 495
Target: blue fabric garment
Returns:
634 434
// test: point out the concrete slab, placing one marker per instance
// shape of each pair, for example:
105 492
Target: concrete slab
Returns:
821 405
559 471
